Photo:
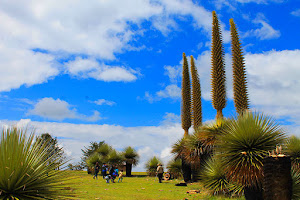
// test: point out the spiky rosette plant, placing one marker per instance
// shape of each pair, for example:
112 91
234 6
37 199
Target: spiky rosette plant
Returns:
241 101
244 143
131 158
218 68
185 97
196 96
27 171
214 178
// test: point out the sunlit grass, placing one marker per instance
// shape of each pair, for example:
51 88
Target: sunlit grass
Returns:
137 187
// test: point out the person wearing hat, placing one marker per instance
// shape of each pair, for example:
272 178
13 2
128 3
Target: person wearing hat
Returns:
160 172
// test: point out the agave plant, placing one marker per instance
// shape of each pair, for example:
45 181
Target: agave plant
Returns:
214 178
151 165
244 143
27 171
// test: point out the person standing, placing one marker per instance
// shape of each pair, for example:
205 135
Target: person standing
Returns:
160 172
120 176
97 168
112 173
104 169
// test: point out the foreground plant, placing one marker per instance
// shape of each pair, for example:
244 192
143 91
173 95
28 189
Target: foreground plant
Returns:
26 169
245 142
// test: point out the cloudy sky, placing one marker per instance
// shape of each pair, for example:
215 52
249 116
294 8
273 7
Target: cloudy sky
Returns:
111 69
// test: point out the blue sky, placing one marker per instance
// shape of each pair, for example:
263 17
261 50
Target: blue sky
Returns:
111 70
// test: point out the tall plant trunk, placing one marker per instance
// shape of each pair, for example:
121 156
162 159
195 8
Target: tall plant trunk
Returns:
219 114
253 193
187 171
186 133
128 169
277 181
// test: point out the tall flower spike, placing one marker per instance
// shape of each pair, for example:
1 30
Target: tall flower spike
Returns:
196 96
186 97
241 101
218 68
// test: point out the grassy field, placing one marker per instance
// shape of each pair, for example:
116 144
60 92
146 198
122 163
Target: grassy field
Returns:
138 187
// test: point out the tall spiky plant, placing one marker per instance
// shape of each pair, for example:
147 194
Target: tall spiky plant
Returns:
196 96
186 97
27 171
241 101
218 68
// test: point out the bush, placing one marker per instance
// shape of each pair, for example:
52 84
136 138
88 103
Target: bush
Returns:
151 166
175 168
26 169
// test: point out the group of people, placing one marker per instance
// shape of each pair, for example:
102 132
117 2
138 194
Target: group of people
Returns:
108 173
112 172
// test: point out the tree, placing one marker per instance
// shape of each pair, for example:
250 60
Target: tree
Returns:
196 96
114 157
218 68
88 151
131 158
53 150
241 101
186 97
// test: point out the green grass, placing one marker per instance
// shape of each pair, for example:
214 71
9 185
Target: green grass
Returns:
139 187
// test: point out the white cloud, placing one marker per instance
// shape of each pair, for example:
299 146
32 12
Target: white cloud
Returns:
23 67
64 28
90 28
296 13
274 81
173 72
90 68
171 91
103 102
149 141
170 119
266 32
59 110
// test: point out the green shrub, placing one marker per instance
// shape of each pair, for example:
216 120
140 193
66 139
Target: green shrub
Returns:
175 167
26 169
151 166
